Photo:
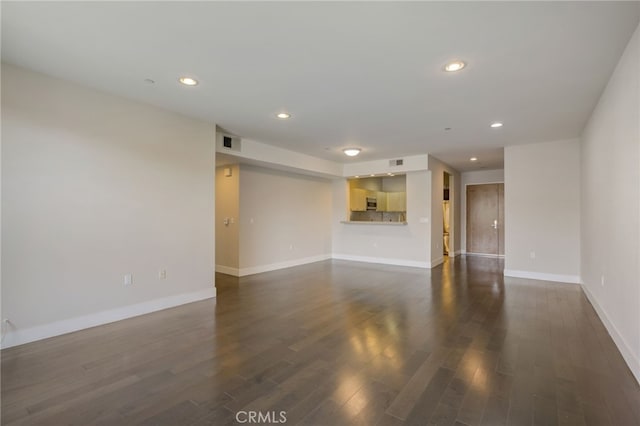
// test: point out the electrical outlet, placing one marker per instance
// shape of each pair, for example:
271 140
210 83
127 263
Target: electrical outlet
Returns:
128 279
162 274
532 255
602 280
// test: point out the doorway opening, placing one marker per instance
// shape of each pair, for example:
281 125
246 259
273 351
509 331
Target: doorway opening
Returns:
447 216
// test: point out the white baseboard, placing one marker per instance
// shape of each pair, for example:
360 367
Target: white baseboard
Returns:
15 337
468 253
571 279
228 270
383 261
632 361
281 265
437 262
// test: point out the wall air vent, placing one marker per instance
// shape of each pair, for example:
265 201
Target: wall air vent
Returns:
394 163
228 143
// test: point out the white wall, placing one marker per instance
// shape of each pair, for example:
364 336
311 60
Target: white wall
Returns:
474 178
227 207
285 219
274 158
542 210
94 187
437 169
611 206
394 244
411 163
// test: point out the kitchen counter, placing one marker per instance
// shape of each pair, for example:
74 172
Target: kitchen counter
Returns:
372 222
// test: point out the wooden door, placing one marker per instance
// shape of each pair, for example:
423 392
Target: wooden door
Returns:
485 219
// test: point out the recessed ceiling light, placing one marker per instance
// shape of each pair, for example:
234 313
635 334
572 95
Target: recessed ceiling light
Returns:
372 175
496 124
356 177
390 174
188 81
351 152
283 115
473 159
454 66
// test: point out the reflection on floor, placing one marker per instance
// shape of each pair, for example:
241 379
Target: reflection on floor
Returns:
338 343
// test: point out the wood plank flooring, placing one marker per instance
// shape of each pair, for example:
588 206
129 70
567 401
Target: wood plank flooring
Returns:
338 343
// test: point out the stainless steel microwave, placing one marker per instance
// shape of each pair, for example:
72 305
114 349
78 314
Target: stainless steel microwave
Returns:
372 204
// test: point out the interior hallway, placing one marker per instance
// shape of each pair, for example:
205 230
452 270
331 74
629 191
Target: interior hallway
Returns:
338 343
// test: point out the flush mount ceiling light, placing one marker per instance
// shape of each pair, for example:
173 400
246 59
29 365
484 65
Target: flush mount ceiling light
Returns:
473 159
454 66
351 152
283 115
496 124
188 81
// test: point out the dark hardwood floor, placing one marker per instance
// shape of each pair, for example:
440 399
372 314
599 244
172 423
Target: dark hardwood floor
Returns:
338 343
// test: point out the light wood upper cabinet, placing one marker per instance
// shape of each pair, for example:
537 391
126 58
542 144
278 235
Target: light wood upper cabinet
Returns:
396 201
382 201
358 200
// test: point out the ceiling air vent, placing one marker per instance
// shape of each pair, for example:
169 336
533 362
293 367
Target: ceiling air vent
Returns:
394 163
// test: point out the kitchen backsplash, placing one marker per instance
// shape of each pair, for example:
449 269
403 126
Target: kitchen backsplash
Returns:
371 216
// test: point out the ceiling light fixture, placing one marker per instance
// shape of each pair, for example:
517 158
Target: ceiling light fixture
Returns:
496 124
473 159
454 66
188 81
283 115
351 152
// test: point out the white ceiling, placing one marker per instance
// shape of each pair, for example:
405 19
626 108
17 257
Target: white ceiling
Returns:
351 74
